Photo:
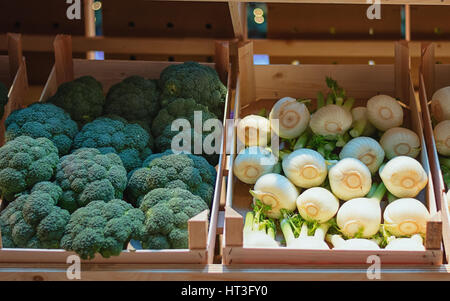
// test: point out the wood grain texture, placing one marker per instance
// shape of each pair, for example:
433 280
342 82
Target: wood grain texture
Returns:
198 231
255 272
63 59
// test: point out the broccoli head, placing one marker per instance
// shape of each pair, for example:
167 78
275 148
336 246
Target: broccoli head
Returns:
184 171
82 98
24 162
3 99
193 80
34 220
135 98
43 120
179 108
115 135
88 175
167 212
165 140
104 228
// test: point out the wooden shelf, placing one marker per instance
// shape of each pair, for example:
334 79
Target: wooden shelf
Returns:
222 272
397 2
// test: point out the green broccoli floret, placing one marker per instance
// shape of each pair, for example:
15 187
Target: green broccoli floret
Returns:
135 98
128 140
24 162
88 175
82 98
167 212
3 99
193 80
184 171
43 120
179 108
104 228
34 220
164 142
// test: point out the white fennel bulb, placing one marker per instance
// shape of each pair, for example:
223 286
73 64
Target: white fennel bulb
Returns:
400 142
361 125
413 243
404 177
253 162
254 130
305 168
384 112
365 149
352 244
405 217
331 120
442 137
440 104
259 233
317 204
350 178
289 117
361 216
304 241
276 191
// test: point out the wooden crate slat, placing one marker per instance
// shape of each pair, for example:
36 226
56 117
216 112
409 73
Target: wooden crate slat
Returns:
430 22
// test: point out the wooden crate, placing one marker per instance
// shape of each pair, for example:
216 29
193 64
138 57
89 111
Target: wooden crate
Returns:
261 86
13 73
433 77
202 229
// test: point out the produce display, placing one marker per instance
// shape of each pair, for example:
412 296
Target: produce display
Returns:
440 114
81 172
342 178
3 99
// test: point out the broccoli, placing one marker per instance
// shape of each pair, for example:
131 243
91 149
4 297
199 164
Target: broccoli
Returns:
104 228
43 120
167 212
24 162
82 98
164 142
34 220
193 80
128 140
3 99
88 175
184 171
179 108
135 98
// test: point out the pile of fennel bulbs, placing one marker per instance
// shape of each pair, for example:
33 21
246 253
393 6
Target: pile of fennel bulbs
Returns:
336 168
440 115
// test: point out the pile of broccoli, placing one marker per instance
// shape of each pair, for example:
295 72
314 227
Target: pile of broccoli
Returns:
102 227
24 162
83 173
82 98
34 220
167 212
87 175
3 99
135 98
185 171
115 135
43 120
193 80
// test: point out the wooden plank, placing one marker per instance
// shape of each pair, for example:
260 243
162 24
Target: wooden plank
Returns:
63 59
198 231
246 72
332 22
234 225
402 67
89 24
15 53
238 13
383 2
255 272
138 18
364 81
429 22
222 59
